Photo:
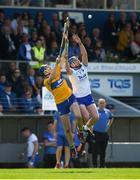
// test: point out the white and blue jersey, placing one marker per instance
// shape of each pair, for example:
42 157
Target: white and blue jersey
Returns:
104 117
81 85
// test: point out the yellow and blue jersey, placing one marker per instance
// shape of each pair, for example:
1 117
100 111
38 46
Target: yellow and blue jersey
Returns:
58 87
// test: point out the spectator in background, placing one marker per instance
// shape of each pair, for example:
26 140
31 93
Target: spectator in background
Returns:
31 26
135 45
49 141
7 23
24 53
74 49
42 39
121 23
33 38
11 67
31 79
7 44
15 80
28 104
38 54
25 17
62 142
39 19
25 49
82 34
2 17
54 51
135 23
14 22
99 52
125 39
95 37
22 87
74 29
110 32
21 28
89 47
64 16
56 27
2 82
32 148
1 110
48 35
100 130
39 84
8 98
43 25
81 26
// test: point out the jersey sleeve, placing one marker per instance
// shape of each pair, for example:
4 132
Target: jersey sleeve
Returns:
34 138
85 65
110 115
45 82
72 70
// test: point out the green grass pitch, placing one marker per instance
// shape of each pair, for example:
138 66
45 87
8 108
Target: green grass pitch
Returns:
106 173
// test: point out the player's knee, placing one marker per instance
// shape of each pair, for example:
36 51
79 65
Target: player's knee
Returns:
86 117
78 116
59 148
96 117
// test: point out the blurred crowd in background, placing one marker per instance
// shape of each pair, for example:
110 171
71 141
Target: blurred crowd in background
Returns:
33 41
100 4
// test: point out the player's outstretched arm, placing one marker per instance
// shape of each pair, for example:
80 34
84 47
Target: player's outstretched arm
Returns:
82 49
65 55
54 71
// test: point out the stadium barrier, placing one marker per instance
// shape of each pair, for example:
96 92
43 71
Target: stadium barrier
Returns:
117 153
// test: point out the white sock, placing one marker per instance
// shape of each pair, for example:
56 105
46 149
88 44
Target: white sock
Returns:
85 127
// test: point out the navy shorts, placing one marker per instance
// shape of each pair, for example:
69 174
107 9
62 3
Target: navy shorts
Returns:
62 141
34 162
64 107
87 100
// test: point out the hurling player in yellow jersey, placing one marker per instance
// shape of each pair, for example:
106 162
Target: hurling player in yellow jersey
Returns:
64 98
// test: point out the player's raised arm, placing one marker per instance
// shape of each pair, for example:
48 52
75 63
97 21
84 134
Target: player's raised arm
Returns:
82 49
65 56
54 70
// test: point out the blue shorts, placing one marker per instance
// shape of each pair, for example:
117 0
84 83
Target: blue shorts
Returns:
62 141
64 107
34 162
87 100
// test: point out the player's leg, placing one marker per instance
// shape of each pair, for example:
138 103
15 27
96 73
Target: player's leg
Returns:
58 156
85 113
69 135
59 151
67 129
79 119
94 116
67 152
86 117
67 156
79 122
64 111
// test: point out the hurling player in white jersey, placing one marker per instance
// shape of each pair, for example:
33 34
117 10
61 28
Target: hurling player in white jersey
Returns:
78 76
